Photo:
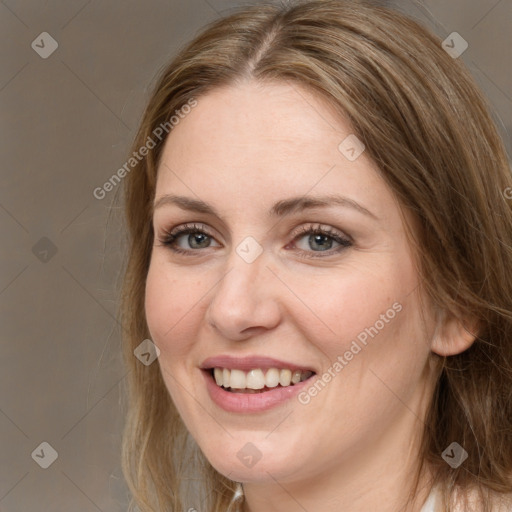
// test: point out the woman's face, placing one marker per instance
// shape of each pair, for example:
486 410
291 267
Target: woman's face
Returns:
255 283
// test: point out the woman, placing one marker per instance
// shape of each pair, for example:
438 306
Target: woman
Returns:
321 244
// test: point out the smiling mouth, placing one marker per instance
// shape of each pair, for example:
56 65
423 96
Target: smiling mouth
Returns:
257 380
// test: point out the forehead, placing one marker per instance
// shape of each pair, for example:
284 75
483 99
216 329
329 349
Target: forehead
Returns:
278 115
255 141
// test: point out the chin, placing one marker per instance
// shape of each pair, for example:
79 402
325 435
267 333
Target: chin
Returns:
243 461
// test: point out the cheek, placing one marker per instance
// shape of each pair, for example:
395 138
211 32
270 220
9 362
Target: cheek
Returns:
333 312
170 304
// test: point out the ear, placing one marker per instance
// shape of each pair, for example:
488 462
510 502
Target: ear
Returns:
453 336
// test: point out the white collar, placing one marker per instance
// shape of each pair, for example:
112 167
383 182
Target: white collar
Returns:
430 503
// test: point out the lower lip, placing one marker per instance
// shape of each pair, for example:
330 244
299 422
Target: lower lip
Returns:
251 402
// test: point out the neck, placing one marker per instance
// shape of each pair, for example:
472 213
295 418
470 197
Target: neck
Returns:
387 489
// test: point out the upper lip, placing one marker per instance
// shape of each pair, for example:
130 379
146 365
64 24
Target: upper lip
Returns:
250 362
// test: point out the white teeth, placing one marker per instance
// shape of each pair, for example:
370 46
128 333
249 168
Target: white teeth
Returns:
285 377
256 379
237 379
217 373
272 378
296 377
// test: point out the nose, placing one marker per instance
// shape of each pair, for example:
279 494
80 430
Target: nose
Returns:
246 299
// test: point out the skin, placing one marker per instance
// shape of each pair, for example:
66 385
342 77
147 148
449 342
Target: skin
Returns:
241 149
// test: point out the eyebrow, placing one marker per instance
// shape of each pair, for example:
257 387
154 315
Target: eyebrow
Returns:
279 209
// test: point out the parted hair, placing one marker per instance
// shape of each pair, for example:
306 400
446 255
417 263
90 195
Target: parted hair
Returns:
429 129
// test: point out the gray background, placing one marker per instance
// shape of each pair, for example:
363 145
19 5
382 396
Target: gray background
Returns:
67 122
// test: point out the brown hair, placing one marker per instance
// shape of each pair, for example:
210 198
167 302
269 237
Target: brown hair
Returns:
428 128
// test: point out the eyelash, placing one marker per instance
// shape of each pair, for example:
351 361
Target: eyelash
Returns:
170 236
